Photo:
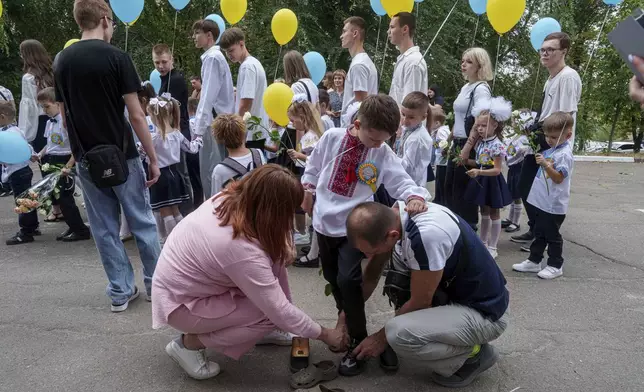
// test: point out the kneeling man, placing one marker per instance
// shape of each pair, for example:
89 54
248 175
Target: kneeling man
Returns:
449 293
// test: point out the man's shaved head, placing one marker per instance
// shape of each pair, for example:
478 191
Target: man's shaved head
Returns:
370 222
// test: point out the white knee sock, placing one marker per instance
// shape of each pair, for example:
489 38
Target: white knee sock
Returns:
315 250
485 228
178 218
495 233
515 213
160 226
169 224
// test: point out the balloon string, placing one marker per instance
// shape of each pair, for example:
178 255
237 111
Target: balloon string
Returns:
279 55
439 30
174 35
378 40
127 29
595 44
384 56
536 83
417 11
496 64
476 29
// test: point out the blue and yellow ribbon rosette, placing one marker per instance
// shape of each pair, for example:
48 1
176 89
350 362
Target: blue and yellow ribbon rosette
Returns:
367 173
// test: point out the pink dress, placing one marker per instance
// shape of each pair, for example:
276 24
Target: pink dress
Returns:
225 290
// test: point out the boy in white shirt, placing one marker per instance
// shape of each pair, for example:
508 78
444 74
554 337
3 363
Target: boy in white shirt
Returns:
345 169
550 194
19 176
440 135
415 144
230 130
362 78
325 106
193 104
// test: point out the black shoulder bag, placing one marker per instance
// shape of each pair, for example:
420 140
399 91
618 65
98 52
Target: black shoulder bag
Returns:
308 93
469 119
398 284
106 164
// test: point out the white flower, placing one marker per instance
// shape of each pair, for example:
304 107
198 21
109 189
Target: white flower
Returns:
443 144
247 116
46 167
42 212
515 113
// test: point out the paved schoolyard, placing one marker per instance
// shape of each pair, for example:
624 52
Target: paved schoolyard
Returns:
582 332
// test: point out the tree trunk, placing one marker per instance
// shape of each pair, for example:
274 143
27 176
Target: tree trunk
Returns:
612 128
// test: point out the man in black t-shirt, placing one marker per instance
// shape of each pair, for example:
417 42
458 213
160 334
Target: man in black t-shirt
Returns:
173 82
95 81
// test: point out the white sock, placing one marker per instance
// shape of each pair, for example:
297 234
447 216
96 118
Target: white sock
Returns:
495 233
169 224
178 218
485 228
160 226
315 250
515 213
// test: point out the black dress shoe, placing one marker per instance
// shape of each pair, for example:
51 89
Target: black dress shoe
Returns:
64 234
73 237
305 262
389 360
505 223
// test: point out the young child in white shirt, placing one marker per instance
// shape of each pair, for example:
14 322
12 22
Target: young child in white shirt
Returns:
415 144
19 176
440 135
550 194
230 130
58 152
170 191
193 104
345 169
325 106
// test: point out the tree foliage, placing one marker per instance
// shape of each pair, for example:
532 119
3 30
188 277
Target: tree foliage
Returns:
519 77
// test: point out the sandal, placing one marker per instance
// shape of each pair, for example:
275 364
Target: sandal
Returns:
55 217
313 375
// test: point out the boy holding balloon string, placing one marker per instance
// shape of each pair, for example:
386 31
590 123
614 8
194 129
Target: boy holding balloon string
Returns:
19 176
345 169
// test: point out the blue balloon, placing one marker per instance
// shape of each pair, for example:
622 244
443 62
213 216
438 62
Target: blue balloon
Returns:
155 80
612 2
541 30
478 6
13 148
377 7
179 4
419 1
127 10
220 22
316 65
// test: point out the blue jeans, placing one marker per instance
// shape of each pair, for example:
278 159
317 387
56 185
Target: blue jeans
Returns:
103 212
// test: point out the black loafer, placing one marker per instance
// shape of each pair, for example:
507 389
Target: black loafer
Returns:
73 237
64 234
309 263
389 360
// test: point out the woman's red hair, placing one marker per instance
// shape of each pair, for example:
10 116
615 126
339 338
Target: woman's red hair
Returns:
261 206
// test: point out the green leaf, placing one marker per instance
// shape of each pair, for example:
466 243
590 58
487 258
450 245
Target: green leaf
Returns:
328 289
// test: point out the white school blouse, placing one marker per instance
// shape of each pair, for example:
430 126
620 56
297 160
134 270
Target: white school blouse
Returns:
331 174
169 150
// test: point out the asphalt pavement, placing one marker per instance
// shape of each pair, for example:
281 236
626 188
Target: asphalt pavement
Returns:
582 332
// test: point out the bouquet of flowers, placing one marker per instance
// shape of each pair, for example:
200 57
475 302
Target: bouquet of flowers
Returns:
445 146
39 196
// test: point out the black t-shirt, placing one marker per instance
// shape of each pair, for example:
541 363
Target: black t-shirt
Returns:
92 77
179 91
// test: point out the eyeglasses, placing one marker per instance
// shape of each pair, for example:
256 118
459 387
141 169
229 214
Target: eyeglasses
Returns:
114 24
548 51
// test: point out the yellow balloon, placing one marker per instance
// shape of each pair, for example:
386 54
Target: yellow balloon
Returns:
0 9
504 14
284 26
277 99
395 6
70 42
233 10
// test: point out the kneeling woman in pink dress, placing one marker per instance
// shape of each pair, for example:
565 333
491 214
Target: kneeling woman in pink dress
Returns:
221 279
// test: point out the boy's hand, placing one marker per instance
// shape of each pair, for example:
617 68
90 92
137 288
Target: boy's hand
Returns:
473 173
416 206
307 203
35 158
66 171
541 161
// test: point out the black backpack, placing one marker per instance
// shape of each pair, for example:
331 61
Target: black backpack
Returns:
239 168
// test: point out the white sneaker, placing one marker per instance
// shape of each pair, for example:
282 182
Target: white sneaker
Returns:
550 273
194 362
527 266
493 252
277 338
302 239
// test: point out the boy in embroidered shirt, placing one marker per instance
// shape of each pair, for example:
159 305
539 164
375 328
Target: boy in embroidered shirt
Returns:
550 194
19 176
345 169
415 147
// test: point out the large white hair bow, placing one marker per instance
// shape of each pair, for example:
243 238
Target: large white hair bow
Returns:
299 98
499 108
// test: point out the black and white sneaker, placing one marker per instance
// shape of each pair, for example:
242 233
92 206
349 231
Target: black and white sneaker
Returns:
117 308
523 238
20 238
350 366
